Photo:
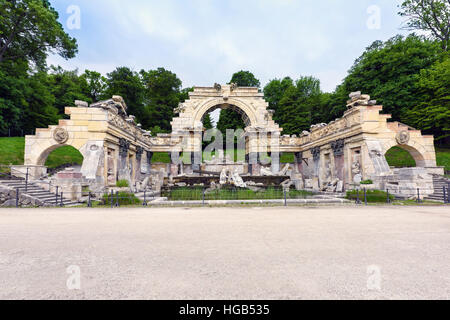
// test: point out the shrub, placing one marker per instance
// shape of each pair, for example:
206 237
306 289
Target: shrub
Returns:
125 198
367 182
372 195
122 184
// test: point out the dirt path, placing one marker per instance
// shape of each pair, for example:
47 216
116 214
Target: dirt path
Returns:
226 253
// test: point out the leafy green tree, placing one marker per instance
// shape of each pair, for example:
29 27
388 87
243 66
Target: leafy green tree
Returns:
26 101
96 85
388 71
228 118
207 122
127 83
41 111
274 91
12 97
184 94
162 94
66 87
29 30
245 79
432 112
297 105
432 16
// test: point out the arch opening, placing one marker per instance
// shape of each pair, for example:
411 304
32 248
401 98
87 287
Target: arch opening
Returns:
404 156
245 118
60 157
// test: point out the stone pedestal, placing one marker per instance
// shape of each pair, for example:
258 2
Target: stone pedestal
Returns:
69 183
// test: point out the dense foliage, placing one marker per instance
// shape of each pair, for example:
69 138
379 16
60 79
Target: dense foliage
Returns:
408 76
230 119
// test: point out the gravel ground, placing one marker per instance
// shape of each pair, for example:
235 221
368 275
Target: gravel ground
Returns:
226 253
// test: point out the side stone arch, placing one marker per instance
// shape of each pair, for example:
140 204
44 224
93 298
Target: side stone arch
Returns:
417 151
39 146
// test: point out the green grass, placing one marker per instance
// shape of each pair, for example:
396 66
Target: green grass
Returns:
12 151
400 158
125 199
373 196
443 158
64 155
122 184
187 194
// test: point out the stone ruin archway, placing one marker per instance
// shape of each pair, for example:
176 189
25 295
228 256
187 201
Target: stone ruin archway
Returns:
328 156
247 101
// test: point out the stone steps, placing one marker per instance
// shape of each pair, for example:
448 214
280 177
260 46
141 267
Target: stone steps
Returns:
439 183
37 192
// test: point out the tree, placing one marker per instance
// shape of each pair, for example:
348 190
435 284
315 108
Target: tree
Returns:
12 96
66 87
207 122
162 93
184 94
297 105
41 110
428 15
432 112
29 30
388 72
96 85
230 119
127 83
245 79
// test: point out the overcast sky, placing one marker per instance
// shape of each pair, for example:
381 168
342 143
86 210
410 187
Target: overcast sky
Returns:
206 41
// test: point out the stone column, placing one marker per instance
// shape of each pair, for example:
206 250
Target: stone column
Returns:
139 153
175 163
339 163
275 162
298 156
316 175
124 171
253 167
196 160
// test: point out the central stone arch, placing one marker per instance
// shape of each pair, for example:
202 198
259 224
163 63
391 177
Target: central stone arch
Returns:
248 101
247 112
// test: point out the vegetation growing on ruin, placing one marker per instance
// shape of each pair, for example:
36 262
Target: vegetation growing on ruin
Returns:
181 194
374 196
122 184
124 198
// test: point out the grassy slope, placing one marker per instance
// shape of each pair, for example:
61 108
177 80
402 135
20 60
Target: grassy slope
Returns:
399 158
12 152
